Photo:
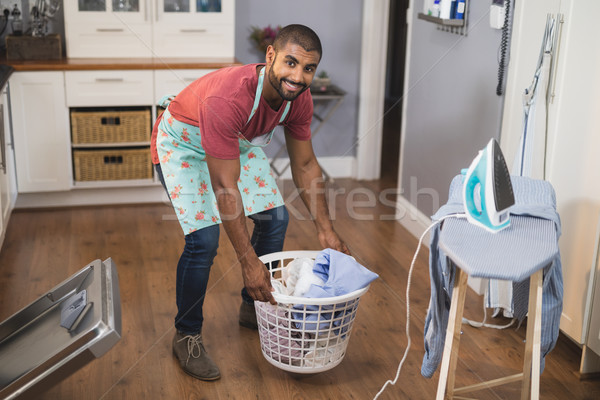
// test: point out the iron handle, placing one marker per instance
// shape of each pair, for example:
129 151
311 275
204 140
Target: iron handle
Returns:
109 29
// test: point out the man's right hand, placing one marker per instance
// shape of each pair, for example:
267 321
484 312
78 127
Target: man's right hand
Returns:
257 280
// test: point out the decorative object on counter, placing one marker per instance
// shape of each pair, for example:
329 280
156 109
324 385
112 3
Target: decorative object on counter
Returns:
47 47
261 38
17 22
40 45
321 82
41 12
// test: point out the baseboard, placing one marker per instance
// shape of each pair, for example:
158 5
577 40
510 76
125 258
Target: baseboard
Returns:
411 218
335 167
89 197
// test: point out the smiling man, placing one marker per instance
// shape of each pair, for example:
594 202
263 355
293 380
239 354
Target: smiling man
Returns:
207 147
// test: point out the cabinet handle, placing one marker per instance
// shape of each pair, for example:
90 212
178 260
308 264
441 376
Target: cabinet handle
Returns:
2 141
192 30
109 79
156 6
109 30
145 10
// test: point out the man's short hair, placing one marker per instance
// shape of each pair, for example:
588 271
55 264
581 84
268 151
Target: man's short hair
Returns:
300 35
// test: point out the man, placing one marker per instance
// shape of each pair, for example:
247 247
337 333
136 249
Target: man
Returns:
207 147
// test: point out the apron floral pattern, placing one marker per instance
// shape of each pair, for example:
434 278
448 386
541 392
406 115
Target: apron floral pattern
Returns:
184 167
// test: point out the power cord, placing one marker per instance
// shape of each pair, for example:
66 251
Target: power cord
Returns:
408 284
503 49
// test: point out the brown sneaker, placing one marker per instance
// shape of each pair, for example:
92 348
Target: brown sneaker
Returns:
192 356
248 316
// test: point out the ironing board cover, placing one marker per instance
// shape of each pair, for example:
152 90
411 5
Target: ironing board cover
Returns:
514 253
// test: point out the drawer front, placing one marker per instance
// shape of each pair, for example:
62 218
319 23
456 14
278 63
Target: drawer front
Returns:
108 40
171 82
194 40
109 88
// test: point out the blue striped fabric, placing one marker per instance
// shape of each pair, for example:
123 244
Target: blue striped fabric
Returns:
530 243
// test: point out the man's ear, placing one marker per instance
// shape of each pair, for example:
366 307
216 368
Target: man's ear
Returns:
270 55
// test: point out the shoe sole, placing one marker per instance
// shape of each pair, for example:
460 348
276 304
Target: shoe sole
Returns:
202 378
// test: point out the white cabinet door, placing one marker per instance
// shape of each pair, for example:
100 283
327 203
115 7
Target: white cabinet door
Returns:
41 131
150 28
572 163
108 88
171 82
8 188
8 192
108 28
194 28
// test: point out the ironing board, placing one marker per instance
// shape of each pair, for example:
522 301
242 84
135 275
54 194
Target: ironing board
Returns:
522 250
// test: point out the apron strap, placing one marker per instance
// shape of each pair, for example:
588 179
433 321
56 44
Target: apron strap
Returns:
261 78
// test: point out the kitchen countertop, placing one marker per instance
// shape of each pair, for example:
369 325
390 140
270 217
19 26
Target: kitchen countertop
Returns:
82 64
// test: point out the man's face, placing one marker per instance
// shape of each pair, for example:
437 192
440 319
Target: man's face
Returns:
292 70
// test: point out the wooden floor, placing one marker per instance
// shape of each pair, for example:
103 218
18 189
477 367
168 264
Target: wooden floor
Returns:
43 248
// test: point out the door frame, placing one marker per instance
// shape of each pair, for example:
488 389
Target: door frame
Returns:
372 88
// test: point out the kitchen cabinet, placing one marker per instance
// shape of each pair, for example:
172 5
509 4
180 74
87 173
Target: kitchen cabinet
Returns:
167 82
571 161
8 190
40 131
150 28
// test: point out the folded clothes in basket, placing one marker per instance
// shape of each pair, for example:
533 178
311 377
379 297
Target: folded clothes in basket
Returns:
342 274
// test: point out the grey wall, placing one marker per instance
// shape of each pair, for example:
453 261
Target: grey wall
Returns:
452 106
338 23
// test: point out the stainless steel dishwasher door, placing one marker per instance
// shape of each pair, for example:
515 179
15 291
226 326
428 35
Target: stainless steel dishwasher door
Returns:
36 351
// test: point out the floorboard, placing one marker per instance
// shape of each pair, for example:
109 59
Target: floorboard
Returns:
44 247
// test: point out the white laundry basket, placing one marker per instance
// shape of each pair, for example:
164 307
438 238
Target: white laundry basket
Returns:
304 335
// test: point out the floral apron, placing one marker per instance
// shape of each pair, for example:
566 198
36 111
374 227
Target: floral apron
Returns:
184 167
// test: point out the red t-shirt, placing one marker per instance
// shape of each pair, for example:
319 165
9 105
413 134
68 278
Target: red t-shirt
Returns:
220 102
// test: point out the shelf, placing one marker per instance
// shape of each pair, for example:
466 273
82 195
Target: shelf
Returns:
109 145
441 21
115 183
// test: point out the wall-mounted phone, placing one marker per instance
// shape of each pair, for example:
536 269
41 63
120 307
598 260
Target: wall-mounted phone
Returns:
497 14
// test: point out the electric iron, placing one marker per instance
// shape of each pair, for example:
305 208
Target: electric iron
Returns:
487 189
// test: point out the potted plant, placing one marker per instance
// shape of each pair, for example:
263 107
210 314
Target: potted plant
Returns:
261 38
321 82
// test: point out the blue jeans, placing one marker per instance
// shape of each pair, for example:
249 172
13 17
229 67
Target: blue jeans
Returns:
200 249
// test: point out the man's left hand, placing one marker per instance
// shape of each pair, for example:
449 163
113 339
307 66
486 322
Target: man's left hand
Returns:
330 239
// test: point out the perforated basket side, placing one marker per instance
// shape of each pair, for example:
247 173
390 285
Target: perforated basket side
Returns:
300 334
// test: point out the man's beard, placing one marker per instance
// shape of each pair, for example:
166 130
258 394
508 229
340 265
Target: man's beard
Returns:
278 85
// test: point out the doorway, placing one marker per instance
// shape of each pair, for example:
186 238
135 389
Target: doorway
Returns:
394 88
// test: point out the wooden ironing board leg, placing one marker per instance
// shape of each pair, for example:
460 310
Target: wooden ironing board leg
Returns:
531 362
450 355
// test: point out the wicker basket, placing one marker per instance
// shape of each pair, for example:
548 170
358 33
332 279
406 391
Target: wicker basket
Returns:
112 164
89 127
